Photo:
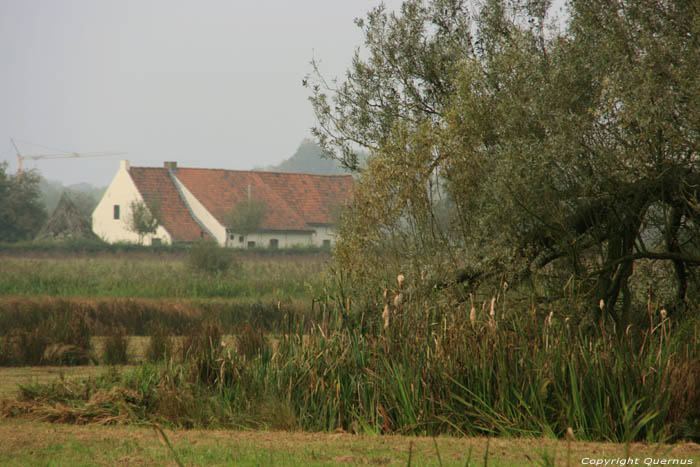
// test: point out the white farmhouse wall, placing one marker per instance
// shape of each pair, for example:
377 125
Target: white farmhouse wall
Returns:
201 214
321 233
284 239
121 192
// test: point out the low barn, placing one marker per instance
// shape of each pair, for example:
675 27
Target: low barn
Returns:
236 208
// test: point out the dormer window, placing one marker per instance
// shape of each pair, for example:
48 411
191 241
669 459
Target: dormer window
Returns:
116 211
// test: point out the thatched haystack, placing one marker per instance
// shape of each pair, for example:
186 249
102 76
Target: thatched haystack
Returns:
67 222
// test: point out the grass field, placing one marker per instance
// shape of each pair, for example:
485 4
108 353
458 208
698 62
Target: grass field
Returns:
26 443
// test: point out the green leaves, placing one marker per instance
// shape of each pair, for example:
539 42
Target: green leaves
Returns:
22 213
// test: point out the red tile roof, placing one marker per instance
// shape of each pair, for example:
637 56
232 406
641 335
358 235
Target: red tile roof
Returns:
293 202
160 193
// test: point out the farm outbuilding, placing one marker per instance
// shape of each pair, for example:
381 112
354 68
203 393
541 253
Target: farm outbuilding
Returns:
192 203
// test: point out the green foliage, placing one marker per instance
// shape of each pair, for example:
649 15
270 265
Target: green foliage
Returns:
560 161
248 216
207 256
143 220
21 211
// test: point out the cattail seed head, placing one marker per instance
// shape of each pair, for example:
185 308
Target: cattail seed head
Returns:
570 434
548 321
385 316
472 316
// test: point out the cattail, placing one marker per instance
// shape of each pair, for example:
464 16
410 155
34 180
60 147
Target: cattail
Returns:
548 321
385 316
400 280
663 313
492 313
601 304
398 300
570 434
472 316
386 295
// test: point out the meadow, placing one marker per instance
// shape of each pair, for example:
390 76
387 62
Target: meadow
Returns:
274 344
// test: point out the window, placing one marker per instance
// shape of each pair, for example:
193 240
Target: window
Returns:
116 211
326 244
251 244
240 239
156 242
274 243
201 234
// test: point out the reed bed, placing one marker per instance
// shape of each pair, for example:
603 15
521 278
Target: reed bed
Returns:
433 370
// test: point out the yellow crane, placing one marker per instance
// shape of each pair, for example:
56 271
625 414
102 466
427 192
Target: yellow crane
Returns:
65 155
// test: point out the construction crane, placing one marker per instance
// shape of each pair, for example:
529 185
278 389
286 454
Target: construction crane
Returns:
65 155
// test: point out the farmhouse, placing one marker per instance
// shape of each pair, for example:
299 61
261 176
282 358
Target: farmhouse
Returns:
281 209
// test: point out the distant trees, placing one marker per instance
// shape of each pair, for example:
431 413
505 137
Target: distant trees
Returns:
22 213
309 158
563 162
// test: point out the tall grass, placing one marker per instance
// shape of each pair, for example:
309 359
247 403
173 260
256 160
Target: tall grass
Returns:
522 372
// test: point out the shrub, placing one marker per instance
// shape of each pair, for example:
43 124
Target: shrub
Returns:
116 348
207 256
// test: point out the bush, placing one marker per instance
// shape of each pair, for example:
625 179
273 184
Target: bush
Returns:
116 348
209 257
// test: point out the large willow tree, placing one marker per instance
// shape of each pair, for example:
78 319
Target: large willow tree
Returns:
558 154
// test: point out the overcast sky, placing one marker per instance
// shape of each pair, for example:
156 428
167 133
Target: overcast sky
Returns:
206 83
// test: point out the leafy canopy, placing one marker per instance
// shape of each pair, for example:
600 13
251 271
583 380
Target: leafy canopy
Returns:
22 213
560 160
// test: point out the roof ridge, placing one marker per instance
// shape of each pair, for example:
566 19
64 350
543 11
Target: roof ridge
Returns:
247 171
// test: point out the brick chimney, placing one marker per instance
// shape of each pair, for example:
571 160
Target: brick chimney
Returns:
170 165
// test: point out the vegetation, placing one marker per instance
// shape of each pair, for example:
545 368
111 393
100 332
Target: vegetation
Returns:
207 256
248 216
21 212
565 162
155 276
309 158
500 373
520 259
143 221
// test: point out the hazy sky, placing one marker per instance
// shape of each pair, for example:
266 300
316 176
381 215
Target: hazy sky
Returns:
208 83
